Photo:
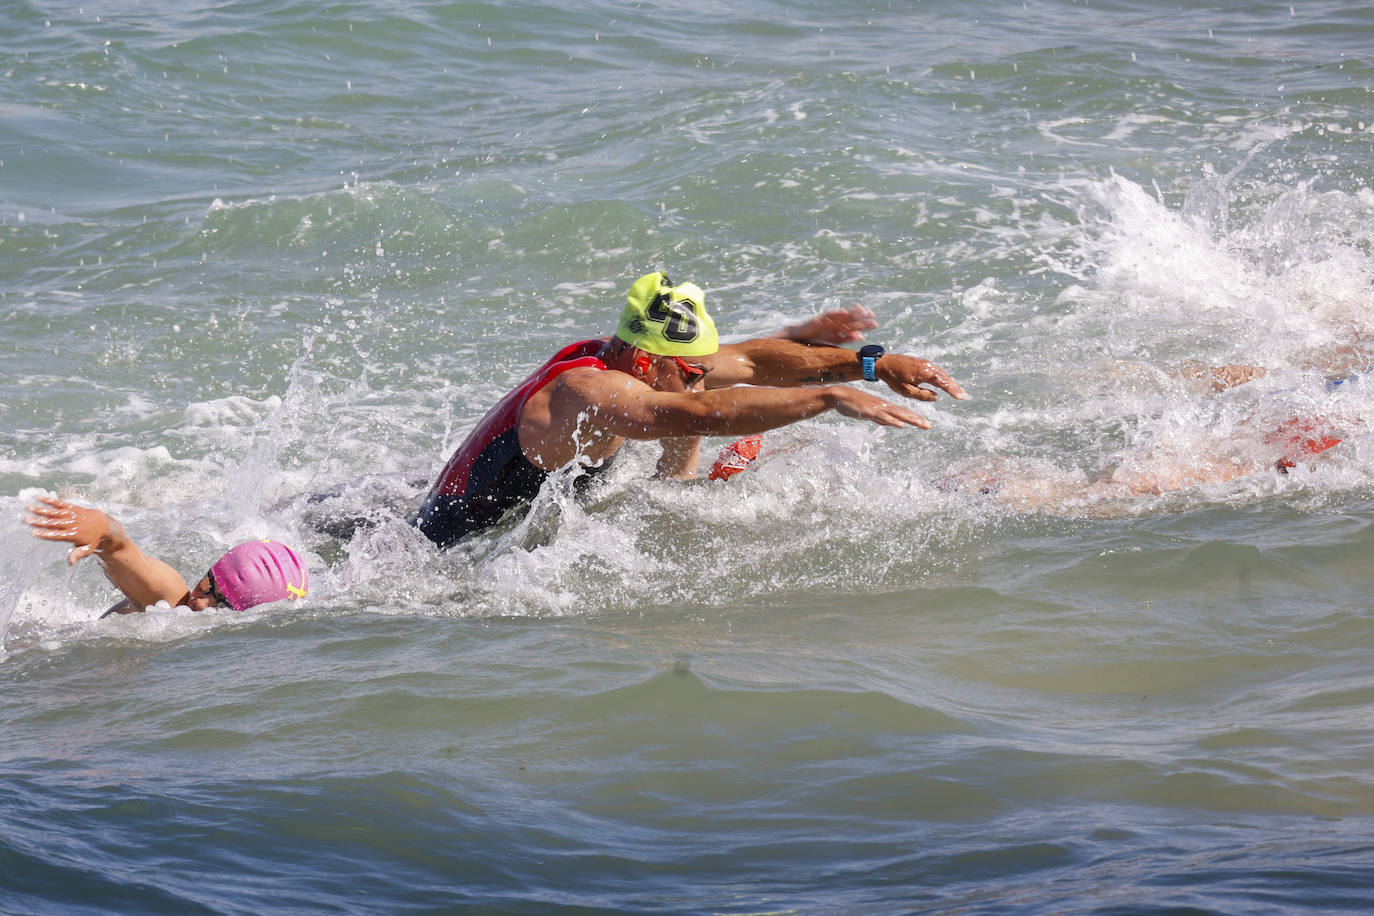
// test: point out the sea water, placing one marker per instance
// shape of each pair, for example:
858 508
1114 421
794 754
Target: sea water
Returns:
1081 647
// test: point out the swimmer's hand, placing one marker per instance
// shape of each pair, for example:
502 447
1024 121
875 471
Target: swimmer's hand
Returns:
144 580
1222 378
860 405
907 374
836 327
91 530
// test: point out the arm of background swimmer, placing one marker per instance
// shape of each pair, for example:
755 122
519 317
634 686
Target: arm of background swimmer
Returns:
681 458
786 363
621 406
144 580
1222 377
835 327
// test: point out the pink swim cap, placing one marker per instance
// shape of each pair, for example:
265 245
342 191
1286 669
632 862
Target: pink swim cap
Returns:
258 572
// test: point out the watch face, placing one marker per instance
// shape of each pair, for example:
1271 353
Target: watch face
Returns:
871 350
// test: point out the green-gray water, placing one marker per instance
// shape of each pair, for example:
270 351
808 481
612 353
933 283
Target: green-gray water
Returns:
254 251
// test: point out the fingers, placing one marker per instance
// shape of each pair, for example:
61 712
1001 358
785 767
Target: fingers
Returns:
862 406
52 527
900 416
915 392
907 376
52 508
51 532
79 553
835 327
53 504
946 382
941 379
859 318
52 521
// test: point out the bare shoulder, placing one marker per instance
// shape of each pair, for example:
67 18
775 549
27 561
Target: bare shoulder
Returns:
575 415
575 393
586 386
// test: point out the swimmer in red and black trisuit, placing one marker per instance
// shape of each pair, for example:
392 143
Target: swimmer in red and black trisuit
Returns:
664 376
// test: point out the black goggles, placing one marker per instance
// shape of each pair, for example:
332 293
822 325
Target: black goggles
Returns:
214 591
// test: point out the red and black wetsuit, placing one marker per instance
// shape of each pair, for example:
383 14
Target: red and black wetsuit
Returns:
489 473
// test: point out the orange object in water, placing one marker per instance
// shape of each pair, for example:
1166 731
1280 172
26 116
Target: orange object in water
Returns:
735 457
1300 437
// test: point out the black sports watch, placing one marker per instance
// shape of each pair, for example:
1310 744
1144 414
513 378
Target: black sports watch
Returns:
868 359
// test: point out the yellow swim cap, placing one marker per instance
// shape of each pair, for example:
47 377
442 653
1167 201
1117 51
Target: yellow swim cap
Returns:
668 320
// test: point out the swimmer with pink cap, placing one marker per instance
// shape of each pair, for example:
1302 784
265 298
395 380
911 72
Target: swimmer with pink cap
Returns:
250 574
256 573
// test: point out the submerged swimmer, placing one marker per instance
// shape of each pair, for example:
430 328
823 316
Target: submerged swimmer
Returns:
253 573
663 376
1274 438
1304 435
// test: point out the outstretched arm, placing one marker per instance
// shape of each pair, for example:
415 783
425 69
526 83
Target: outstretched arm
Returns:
681 457
786 364
621 406
1222 377
835 327
1336 362
144 580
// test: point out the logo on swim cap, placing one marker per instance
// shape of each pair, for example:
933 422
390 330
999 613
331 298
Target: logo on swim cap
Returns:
259 572
667 320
